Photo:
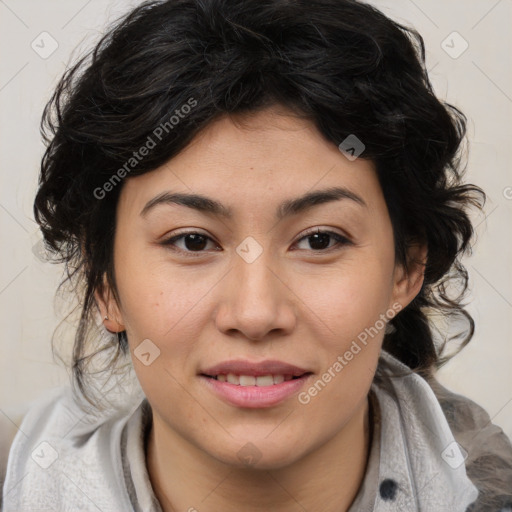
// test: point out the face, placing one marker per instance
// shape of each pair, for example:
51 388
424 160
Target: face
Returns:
255 275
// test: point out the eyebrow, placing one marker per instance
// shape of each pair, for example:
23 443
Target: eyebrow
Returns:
285 209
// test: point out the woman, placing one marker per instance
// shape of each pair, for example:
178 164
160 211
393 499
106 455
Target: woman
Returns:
262 203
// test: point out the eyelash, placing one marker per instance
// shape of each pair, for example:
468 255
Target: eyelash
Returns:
341 241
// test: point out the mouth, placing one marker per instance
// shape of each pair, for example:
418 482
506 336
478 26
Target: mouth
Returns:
252 380
254 385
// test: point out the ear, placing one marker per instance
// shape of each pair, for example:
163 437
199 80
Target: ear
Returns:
109 309
408 278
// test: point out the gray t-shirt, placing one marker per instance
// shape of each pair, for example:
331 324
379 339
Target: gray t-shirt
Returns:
64 459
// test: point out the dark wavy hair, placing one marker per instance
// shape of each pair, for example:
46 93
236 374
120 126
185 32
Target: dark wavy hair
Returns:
341 64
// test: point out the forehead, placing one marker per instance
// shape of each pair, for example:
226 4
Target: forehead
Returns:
255 159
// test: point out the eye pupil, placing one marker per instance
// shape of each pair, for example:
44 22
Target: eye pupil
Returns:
195 242
319 241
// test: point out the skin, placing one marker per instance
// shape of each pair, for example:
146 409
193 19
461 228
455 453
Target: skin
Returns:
294 303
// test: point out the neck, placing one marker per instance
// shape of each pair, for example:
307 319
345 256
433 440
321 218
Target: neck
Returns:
327 478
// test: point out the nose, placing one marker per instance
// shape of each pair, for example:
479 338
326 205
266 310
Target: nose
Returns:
256 303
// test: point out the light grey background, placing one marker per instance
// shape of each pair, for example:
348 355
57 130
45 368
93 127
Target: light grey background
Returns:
478 81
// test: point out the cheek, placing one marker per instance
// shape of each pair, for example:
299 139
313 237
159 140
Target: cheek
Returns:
349 306
152 297
351 297
165 304
159 306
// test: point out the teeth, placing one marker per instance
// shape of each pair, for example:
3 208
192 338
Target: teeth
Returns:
250 380
265 380
247 380
233 379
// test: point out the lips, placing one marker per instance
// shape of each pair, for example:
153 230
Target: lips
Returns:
254 369
247 384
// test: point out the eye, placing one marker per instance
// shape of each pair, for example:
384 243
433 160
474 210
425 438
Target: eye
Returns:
320 240
191 242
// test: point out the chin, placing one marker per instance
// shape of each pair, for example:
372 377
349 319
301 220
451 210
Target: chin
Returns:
258 453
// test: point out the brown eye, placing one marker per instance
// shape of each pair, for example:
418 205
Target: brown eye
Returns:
321 240
193 242
188 242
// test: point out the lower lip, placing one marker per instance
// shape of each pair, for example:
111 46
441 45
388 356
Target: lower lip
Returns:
255 397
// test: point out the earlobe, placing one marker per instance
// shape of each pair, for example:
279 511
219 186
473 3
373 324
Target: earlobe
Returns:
409 278
109 311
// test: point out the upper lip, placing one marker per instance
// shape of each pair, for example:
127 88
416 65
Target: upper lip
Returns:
244 367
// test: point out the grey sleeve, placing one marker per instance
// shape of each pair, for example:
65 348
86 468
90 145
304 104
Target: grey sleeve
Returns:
489 450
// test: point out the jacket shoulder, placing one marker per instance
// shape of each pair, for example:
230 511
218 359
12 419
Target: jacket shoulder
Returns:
60 448
488 449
